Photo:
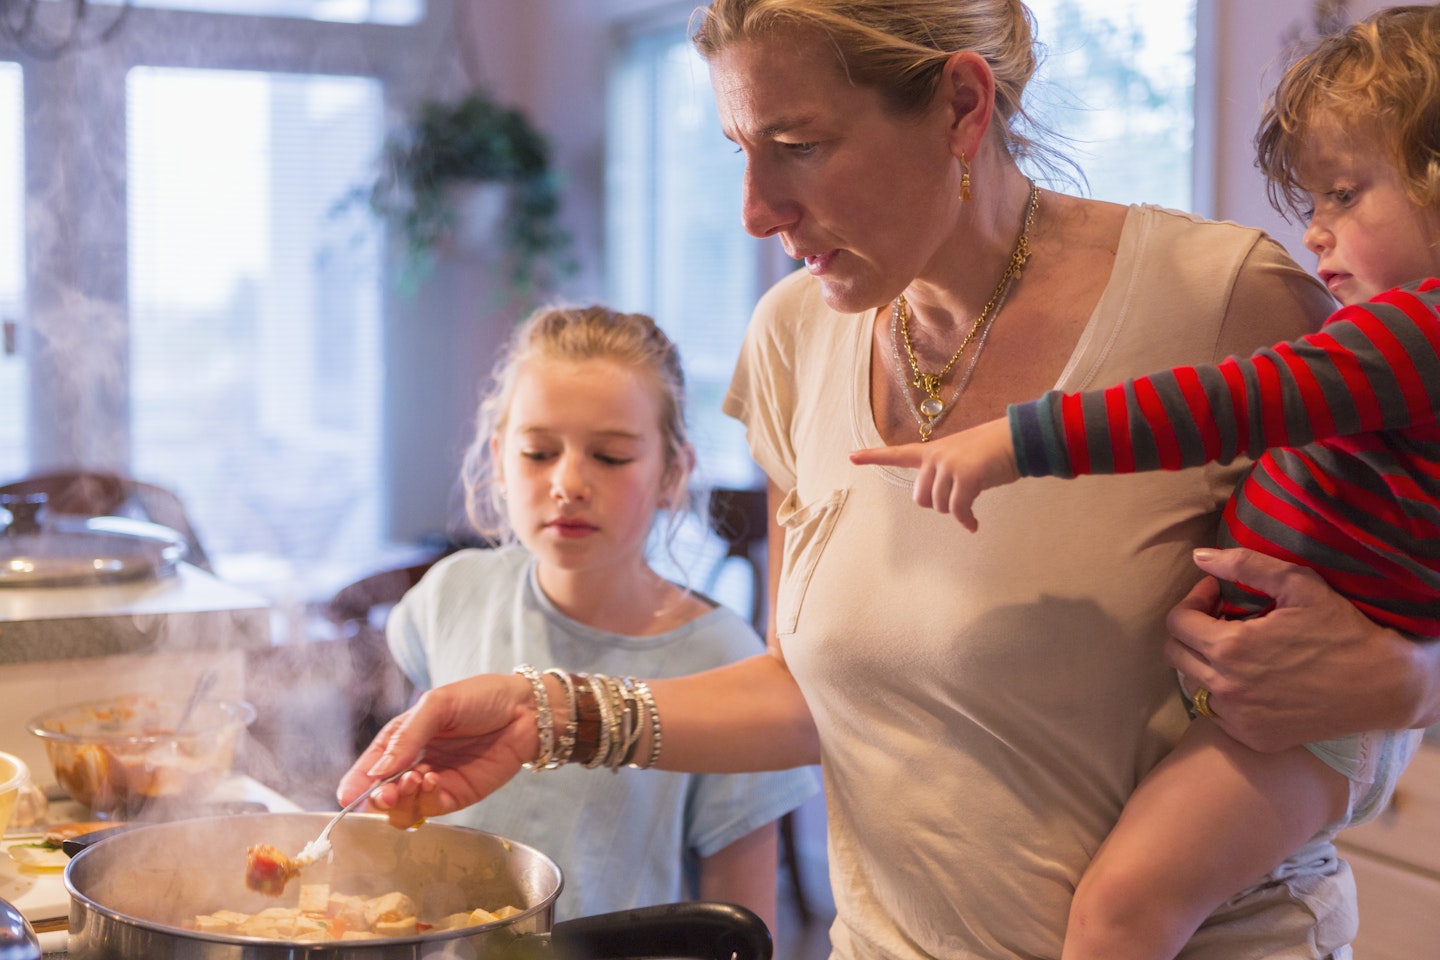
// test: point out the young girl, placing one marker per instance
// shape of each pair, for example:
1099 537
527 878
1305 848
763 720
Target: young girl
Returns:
580 441
1347 482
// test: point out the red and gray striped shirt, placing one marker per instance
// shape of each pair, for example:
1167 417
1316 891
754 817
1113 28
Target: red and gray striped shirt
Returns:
1342 425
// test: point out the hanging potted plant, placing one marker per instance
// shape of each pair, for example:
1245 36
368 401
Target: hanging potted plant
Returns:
457 156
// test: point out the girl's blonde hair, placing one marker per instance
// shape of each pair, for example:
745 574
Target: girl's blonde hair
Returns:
574 334
899 49
1381 75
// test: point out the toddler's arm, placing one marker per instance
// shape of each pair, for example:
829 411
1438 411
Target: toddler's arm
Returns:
1369 369
954 469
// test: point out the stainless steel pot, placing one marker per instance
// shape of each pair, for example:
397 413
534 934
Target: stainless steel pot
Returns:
133 892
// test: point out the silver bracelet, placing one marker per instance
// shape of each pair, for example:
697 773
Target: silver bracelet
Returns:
600 685
621 719
544 719
565 748
642 692
634 725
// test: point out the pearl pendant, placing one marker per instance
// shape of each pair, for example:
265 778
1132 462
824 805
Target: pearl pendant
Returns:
932 406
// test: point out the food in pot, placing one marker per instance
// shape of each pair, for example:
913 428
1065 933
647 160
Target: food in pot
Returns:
268 869
321 914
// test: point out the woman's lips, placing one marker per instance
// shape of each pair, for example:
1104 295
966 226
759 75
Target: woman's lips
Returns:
819 263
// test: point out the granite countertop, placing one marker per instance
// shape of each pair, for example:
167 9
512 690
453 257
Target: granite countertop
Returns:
191 610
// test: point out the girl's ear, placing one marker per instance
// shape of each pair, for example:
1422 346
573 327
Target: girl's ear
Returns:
967 92
677 476
497 463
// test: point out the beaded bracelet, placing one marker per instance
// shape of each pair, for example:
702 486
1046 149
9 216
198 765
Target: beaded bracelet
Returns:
544 719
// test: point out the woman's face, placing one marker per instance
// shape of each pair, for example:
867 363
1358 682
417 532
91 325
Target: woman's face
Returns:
863 196
581 461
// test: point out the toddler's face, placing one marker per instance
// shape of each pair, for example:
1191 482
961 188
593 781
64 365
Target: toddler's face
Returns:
1367 233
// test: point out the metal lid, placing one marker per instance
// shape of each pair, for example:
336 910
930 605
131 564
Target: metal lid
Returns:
67 551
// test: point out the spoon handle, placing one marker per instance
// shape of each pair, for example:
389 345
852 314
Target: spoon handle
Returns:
203 684
353 804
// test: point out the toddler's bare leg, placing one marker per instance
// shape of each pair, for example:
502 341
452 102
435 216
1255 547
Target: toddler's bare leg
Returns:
1211 819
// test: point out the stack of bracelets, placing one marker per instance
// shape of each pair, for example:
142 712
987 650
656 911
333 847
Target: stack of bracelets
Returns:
605 717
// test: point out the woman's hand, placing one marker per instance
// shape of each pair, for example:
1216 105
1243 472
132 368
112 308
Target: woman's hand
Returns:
1311 668
954 470
476 733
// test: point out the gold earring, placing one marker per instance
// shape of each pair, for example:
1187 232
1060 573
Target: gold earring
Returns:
964 179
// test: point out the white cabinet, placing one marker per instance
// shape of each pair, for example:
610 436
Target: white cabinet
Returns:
1396 858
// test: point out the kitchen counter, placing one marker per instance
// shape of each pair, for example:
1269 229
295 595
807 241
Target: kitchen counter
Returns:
61 645
191 610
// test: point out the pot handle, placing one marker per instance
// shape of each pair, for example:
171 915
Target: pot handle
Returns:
699 930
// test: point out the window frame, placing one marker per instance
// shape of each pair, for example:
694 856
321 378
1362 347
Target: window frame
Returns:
76 271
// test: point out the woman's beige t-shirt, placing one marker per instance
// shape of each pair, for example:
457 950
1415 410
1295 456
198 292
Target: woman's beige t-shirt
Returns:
986 702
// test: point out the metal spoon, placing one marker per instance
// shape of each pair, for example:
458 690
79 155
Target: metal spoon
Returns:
203 684
321 846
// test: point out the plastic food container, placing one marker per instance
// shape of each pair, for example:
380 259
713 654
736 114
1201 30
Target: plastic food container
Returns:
13 776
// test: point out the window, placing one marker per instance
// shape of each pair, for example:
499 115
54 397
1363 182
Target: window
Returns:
339 11
1119 83
254 308
13 382
673 228
198 313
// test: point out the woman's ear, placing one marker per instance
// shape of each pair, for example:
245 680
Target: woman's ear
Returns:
967 89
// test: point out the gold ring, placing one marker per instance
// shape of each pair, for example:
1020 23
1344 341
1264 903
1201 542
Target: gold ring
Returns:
1201 699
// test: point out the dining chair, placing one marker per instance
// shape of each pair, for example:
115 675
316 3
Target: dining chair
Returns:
740 517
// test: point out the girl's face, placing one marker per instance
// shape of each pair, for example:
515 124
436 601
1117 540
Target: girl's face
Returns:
860 194
581 462
1366 232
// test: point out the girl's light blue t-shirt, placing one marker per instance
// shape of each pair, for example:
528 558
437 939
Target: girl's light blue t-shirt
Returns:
624 839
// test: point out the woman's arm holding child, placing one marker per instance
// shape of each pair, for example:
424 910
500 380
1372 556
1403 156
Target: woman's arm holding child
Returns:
1313 667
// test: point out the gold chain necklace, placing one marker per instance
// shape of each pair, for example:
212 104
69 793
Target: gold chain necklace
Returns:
934 407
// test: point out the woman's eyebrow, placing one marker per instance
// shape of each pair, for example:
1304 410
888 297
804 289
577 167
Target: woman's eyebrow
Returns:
774 128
